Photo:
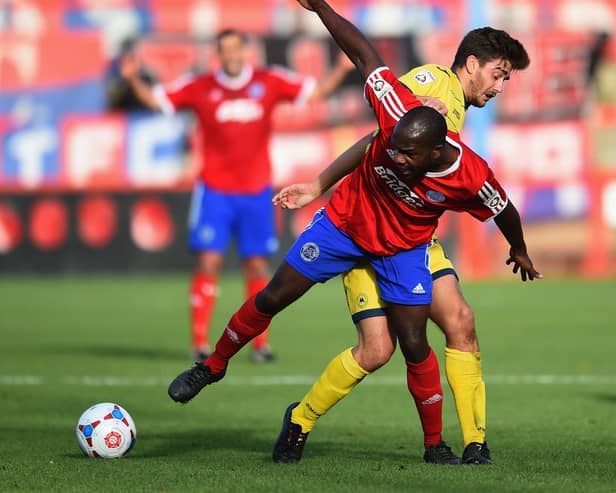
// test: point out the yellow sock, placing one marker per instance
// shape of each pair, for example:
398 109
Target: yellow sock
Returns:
340 377
469 391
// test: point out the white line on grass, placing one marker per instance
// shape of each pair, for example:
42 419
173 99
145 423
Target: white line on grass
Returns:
113 381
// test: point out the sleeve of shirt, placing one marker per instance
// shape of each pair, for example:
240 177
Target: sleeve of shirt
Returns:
388 98
291 86
178 95
490 200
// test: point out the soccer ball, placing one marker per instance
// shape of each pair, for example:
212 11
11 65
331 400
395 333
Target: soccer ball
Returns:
106 430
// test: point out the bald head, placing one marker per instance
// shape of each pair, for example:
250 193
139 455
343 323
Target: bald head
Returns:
422 124
419 142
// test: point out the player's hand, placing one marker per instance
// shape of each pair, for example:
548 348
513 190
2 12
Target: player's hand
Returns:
522 262
297 195
435 103
344 63
129 66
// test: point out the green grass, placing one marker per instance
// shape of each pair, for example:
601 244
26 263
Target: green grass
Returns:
544 437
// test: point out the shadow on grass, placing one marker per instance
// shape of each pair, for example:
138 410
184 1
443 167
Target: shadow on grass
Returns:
186 442
609 398
128 352
253 440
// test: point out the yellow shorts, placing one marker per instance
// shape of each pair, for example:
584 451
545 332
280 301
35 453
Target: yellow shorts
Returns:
362 292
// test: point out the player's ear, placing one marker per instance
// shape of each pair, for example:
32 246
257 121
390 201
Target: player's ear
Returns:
437 150
472 64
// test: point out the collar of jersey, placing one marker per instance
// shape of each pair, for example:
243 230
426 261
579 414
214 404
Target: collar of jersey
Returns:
236 82
453 167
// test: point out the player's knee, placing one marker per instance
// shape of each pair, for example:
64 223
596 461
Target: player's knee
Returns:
371 358
269 301
460 329
414 345
256 268
209 264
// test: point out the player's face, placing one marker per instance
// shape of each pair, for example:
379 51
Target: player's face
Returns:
412 156
232 54
487 80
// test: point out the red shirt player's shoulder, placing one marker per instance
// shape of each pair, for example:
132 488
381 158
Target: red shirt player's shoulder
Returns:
474 168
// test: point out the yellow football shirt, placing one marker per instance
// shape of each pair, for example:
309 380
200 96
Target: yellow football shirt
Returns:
439 82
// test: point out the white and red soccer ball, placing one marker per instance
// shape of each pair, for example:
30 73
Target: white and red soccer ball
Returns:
106 430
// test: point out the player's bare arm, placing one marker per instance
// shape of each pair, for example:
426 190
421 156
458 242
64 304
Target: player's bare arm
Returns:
347 36
508 221
299 195
129 68
327 85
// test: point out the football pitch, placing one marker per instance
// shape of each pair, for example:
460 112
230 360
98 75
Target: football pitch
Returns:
67 343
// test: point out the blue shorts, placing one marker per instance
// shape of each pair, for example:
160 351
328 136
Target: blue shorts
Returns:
322 251
216 216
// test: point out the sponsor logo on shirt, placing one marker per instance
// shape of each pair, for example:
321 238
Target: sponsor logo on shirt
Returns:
239 110
398 187
425 77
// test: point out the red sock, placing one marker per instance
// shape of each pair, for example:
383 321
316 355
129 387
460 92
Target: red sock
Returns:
253 287
203 291
424 383
244 325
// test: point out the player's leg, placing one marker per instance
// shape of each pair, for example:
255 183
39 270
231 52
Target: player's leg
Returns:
319 253
375 346
408 297
253 317
209 232
451 312
257 240
256 275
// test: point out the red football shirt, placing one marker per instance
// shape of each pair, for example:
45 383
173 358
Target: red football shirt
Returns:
386 213
234 114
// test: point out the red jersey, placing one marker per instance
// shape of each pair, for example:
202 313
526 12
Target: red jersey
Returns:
386 213
234 114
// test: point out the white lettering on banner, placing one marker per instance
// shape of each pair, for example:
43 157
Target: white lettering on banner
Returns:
82 163
289 165
29 148
538 153
239 110
151 156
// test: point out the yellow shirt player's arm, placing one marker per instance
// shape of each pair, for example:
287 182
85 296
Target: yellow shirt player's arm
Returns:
439 82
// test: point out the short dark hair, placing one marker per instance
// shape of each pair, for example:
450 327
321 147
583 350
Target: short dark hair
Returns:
230 32
487 43
425 123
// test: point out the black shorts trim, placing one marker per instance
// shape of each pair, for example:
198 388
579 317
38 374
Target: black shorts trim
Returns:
372 312
445 272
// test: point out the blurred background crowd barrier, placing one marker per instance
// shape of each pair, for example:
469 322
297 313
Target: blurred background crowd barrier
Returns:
91 182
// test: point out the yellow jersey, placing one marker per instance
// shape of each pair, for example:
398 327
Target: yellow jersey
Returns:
439 82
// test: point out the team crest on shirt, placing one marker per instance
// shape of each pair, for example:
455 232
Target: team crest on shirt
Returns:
215 95
309 252
256 90
362 300
435 196
424 77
